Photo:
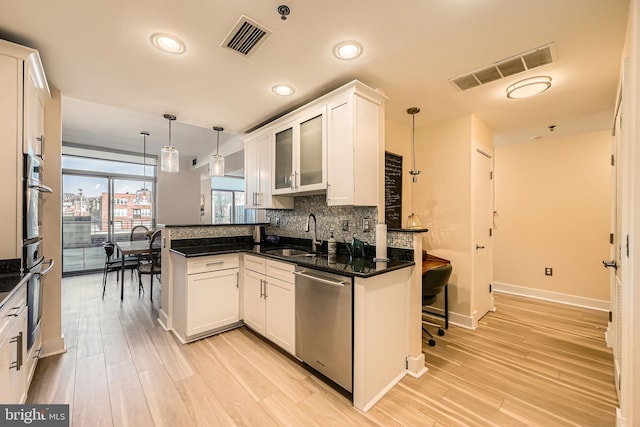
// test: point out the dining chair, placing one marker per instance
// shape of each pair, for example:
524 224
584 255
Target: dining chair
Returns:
151 263
112 263
435 281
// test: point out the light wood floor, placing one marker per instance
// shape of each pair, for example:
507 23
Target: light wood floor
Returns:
529 363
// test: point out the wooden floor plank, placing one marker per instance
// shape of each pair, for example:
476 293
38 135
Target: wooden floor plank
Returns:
91 400
165 404
128 403
201 404
170 352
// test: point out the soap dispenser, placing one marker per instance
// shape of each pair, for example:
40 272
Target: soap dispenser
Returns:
332 246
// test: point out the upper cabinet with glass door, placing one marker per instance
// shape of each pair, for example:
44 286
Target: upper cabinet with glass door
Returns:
300 154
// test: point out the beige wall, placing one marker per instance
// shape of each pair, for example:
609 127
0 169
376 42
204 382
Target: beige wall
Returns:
52 338
553 210
441 198
179 195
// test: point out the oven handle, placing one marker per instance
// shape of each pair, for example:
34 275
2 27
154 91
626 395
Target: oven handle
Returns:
51 263
304 273
41 188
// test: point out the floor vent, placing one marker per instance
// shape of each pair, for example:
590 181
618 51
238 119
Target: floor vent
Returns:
246 36
507 67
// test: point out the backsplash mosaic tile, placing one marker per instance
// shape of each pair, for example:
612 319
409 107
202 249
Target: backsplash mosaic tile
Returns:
198 232
329 218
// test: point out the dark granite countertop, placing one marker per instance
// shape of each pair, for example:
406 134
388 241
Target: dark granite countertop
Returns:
359 267
11 279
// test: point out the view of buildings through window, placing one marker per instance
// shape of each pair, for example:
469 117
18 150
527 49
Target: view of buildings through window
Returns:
103 199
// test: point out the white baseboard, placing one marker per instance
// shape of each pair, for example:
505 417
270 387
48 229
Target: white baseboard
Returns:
574 300
454 318
384 391
164 320
416 366
53 347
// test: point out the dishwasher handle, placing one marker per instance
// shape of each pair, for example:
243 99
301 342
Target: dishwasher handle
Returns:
306 274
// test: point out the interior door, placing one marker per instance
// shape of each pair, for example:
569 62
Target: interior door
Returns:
614 333
482 252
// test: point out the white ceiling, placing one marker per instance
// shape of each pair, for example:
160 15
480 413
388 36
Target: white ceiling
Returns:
115 84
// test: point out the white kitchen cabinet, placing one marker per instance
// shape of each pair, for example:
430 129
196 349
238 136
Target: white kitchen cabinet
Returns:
21 79
206 295
269 300
13 347
300 159
257 167
355 136
34 100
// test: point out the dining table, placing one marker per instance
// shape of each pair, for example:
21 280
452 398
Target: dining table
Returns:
133 247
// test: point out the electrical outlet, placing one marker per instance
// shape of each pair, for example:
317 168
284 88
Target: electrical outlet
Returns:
366 224
548 271
345 225
277 221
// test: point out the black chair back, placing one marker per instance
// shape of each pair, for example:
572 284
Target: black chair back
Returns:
109 248
433 281
139 232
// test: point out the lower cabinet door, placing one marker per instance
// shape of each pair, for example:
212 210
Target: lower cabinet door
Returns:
254 306
213 300
280 314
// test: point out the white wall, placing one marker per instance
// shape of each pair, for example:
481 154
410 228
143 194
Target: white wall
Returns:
179 195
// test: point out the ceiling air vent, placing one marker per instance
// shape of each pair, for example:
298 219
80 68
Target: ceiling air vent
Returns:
246 36
507 67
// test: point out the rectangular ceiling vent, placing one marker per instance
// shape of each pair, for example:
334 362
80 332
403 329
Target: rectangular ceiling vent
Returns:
246 36
507 67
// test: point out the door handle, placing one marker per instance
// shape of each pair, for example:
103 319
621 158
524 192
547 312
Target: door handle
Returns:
610 264
479 247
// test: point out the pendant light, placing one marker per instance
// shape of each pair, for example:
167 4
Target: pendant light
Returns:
144 134
414 173
216 161
169 156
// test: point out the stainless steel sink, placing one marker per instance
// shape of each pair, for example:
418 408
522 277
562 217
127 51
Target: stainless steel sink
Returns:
290 252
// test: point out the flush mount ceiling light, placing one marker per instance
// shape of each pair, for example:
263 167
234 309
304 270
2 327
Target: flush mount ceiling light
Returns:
216 161
347 50
168 43
283 90
169 156
528 87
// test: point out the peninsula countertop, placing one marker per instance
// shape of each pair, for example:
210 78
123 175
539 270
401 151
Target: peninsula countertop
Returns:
358 267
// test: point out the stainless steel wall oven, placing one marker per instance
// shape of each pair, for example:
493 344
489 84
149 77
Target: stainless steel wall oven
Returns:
32 258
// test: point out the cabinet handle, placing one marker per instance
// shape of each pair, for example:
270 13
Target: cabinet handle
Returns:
259 199
18 363
238 280
255 198
265 290
292 180
40 139
261 292
215 263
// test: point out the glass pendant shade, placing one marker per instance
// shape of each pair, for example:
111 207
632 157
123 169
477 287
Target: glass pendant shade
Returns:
169 156
169 159
216 161
216 165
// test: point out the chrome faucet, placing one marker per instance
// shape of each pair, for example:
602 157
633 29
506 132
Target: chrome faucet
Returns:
314 240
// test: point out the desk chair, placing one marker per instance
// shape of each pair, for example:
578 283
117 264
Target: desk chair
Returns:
150 264
433 282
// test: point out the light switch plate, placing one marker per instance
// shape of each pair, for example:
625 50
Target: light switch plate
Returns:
345 225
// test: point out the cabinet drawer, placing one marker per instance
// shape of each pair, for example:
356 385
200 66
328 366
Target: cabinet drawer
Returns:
255 263
212 263
280 270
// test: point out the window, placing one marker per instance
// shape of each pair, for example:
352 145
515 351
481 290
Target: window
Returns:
227 201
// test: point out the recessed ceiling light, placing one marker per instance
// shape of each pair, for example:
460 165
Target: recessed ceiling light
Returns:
168 43
347 50
282 90
529 87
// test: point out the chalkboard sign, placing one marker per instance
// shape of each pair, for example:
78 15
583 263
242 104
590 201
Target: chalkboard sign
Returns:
392 190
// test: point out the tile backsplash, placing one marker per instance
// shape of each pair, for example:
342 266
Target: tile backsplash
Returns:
329 218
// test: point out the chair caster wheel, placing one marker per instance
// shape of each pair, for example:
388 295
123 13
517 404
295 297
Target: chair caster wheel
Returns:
432 343
440 332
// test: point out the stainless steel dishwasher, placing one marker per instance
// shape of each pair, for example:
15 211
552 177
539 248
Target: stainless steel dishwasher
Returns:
324 323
